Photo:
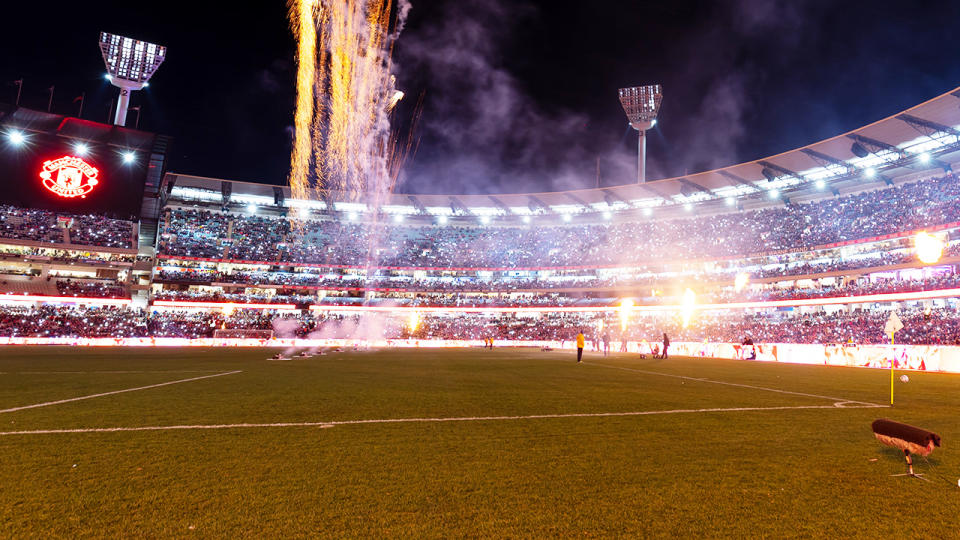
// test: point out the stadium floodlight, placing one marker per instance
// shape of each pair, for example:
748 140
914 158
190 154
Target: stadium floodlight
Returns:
870 172
129 157
130 64
81 149
526 219
925 158
821 183
641 104
16 138
607 215
442 220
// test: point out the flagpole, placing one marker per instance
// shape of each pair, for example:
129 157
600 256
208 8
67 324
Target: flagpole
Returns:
893 356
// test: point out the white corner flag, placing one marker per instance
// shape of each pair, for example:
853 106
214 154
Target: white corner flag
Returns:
893 325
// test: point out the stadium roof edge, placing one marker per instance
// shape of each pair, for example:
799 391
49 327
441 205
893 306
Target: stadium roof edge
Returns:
942 109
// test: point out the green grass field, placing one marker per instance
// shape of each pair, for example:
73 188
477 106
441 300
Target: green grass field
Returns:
789 465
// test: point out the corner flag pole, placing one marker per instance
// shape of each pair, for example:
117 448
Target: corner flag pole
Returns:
892 358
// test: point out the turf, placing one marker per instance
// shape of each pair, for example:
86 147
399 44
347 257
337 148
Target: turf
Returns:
760 473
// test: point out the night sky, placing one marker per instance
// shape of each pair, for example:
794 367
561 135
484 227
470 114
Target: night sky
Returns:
518 95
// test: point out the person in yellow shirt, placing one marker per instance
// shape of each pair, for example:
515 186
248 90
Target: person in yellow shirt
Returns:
580 343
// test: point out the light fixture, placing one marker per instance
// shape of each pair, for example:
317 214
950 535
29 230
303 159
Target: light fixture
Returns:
730 201
641 105
442 220
567 217
647 211
252 208
129 157
688 207
821 183
397 218
925 158
16 138
352 216
526 219
870 172
774 193
130 64
81 149
607 215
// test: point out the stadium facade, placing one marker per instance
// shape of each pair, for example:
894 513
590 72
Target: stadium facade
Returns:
811 247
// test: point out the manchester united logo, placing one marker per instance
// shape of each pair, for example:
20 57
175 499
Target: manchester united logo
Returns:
69 176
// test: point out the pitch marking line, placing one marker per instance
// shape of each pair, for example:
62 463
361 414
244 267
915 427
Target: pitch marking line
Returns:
108 372
333 423
779 391
58 402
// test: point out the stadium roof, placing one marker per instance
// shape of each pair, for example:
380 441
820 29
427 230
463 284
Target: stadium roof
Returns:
921 141
74 128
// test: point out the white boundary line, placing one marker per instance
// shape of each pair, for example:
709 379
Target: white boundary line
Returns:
109 372
58 402
835 399
332 423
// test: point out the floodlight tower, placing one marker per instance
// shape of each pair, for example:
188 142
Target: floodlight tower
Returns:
130 63
641 103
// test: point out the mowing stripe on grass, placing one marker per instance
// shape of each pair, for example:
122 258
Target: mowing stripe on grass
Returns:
777 390
58 402
427 420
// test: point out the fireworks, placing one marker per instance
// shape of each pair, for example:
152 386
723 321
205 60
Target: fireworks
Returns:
345 93
929 247
625 307
688 306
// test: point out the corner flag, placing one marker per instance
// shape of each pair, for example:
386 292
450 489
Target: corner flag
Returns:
893 325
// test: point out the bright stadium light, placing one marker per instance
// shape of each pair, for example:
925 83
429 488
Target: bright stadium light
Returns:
641 104
821 183
485 220
870 172
397 218
688 207
730 201
129 157
607 215
567 217
526 219
107 77
774 193
130 64
442 220
16 138
352 216
925 158
648 212
81 149
252 208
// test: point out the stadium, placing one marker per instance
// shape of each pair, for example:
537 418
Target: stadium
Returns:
192 355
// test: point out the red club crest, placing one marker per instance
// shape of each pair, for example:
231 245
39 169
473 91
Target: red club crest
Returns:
69 177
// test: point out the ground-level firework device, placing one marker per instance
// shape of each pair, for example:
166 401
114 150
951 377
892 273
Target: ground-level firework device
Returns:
641 103
908 438
130 64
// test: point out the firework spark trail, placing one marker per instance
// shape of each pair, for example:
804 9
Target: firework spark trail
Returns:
344 147
302 16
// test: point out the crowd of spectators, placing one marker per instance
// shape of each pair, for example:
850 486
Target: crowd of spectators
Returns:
91 289
198 233
50 227
921 327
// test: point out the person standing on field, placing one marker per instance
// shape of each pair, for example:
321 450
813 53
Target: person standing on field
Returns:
581 341
666 344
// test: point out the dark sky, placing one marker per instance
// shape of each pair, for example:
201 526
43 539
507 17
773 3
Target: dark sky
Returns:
519 95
